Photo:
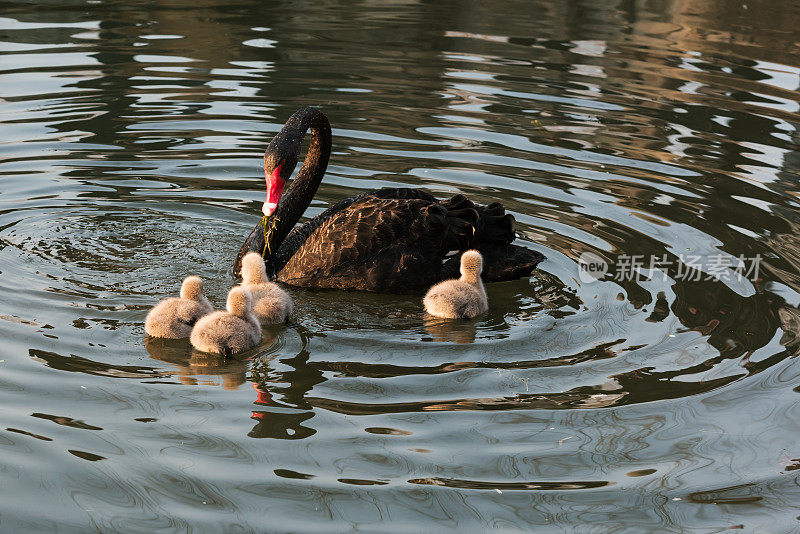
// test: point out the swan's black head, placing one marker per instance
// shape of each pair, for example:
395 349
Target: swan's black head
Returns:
280 159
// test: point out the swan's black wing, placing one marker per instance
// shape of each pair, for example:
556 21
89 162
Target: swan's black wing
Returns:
300 233
374 244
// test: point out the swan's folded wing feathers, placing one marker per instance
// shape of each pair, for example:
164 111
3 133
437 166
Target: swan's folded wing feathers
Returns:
299 234
372 245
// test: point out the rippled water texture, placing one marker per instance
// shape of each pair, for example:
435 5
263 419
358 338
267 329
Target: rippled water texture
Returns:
664 401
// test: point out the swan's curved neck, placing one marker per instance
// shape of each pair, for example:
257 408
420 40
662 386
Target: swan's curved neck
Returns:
268 235
301 191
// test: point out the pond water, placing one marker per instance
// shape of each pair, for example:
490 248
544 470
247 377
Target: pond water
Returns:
649 134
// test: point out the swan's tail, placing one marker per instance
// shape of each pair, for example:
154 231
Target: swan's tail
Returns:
472 225
502 261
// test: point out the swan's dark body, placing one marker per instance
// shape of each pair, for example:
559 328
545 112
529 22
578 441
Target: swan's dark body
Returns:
392 240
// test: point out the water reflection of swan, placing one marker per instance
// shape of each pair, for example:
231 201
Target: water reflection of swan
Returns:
282 411
393 240
283 424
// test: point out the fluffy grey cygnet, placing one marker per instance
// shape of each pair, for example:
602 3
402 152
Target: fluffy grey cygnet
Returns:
174 317
271 304
463 298
228 332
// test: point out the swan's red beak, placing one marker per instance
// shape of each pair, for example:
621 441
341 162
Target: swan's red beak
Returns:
274 190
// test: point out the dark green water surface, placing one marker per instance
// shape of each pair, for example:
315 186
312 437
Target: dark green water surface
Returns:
131 136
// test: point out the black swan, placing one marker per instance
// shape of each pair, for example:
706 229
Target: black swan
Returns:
393 240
